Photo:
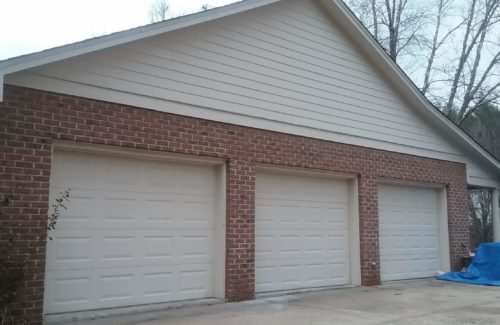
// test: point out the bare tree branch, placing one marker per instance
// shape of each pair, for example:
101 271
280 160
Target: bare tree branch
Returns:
443 7
460 57
475 34
158 11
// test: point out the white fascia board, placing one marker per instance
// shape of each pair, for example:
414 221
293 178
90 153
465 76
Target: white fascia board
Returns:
95 44
353 27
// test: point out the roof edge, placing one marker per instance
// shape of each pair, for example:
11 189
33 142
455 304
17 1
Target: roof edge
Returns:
405 84
55 54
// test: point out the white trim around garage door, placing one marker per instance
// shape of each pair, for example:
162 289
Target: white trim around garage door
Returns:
442 210
353 218
219 225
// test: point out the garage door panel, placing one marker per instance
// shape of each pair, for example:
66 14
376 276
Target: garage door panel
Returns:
75 169
300 273
195 281
80 213
308 241
302 188
266 275
114 248
71 249
125 210
157 285
194 212
129 239
119 249
99 172
127 286
300 217
63 292
408 232
119 287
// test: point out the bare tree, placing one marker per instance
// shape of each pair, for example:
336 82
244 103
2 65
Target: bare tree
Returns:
480 217
471 85
484 126
395 24
443 8
459 63
158 11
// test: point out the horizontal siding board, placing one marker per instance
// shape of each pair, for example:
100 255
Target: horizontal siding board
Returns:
276 41
286 67
238 45
295 15
321 40
169 69
232 65
181 91
252 49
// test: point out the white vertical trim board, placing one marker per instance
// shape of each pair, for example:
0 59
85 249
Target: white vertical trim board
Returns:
495 214
444 238
220 233
354 236
1 86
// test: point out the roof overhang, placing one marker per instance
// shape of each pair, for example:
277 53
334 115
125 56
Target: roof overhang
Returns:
55 54
344 16
336 8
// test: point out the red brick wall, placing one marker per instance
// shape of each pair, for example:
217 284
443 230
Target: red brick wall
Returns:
30 120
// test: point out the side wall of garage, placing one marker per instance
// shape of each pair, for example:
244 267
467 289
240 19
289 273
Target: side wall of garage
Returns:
31 121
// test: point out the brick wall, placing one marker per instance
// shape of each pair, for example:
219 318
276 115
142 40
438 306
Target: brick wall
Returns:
30 120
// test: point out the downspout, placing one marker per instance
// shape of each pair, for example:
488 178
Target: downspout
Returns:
1 87
495 214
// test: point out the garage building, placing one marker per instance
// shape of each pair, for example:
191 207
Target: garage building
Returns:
260 147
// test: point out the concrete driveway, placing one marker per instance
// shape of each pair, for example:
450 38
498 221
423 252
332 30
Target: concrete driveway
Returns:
414 302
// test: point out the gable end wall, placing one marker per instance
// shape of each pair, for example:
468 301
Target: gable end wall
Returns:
286 67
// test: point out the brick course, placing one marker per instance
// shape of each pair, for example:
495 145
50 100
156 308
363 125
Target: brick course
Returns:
30 120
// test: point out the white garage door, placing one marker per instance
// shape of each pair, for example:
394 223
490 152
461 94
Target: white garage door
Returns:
301 232
135 232
409 232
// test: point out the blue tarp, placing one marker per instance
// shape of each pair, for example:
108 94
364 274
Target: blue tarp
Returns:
484 268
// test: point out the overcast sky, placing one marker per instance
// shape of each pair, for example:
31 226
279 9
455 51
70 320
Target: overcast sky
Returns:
28 26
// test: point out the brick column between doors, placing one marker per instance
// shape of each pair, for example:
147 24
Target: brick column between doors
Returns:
368 228
240 231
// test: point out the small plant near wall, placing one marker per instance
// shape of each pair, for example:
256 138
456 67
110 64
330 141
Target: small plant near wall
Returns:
15 257
60 204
